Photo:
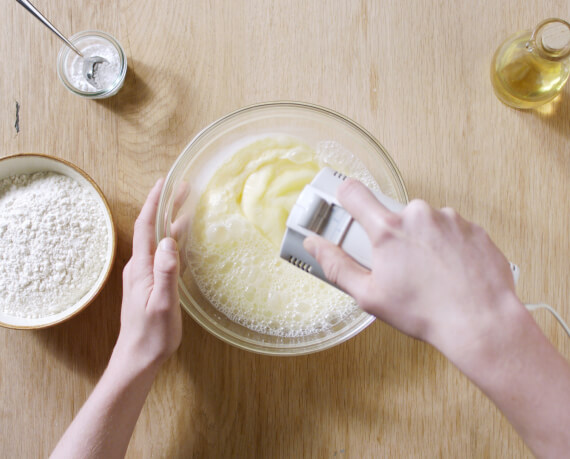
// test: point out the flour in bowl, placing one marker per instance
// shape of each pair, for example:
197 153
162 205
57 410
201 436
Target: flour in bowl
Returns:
53 243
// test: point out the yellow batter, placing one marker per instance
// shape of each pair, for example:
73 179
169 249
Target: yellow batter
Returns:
239 223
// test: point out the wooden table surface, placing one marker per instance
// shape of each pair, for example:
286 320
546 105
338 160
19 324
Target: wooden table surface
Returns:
416 74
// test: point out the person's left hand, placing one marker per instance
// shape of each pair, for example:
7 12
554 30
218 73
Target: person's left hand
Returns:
151 323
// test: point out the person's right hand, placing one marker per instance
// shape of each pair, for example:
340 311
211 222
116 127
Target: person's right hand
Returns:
434 275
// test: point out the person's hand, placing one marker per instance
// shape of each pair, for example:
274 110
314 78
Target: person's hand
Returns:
151 324
151 330
434 275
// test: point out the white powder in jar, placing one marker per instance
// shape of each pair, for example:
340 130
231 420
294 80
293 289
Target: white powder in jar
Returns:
105 74
53 243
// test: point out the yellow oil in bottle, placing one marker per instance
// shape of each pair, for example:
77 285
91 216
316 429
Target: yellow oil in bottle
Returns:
526 74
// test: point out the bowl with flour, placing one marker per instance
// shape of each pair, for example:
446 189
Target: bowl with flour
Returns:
57 240
226 200
109 76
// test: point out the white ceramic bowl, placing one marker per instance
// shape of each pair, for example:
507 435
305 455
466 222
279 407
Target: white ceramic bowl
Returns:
28 163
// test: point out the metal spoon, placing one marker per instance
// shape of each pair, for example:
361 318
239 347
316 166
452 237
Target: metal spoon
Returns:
89 63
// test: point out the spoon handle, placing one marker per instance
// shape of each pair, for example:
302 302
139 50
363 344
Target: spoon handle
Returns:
32 9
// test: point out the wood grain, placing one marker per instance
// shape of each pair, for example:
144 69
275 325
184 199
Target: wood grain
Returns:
416 74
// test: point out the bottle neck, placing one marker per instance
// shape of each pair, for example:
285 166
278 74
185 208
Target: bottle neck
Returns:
551 39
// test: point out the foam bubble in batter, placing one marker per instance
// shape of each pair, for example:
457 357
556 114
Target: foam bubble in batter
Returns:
238 225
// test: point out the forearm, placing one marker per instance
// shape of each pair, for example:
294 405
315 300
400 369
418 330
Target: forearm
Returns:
151 329
103 426
516 366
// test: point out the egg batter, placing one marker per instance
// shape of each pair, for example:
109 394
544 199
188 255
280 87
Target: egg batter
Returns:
237 230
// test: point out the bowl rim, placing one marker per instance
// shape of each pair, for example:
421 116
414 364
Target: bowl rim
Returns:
164 213
113 235
285 103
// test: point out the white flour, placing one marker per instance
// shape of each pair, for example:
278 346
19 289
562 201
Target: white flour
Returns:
53 241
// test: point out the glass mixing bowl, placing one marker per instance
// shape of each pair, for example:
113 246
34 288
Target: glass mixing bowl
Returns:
214 145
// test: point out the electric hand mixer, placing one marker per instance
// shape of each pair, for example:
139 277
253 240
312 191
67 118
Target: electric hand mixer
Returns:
317 211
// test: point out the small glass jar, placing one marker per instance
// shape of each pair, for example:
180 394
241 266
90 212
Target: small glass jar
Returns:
93 43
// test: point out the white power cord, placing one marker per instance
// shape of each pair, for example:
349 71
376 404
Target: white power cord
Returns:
534 307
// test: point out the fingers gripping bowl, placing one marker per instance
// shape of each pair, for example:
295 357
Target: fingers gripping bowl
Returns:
281 145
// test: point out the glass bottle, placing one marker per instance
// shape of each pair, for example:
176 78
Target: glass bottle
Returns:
530 68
